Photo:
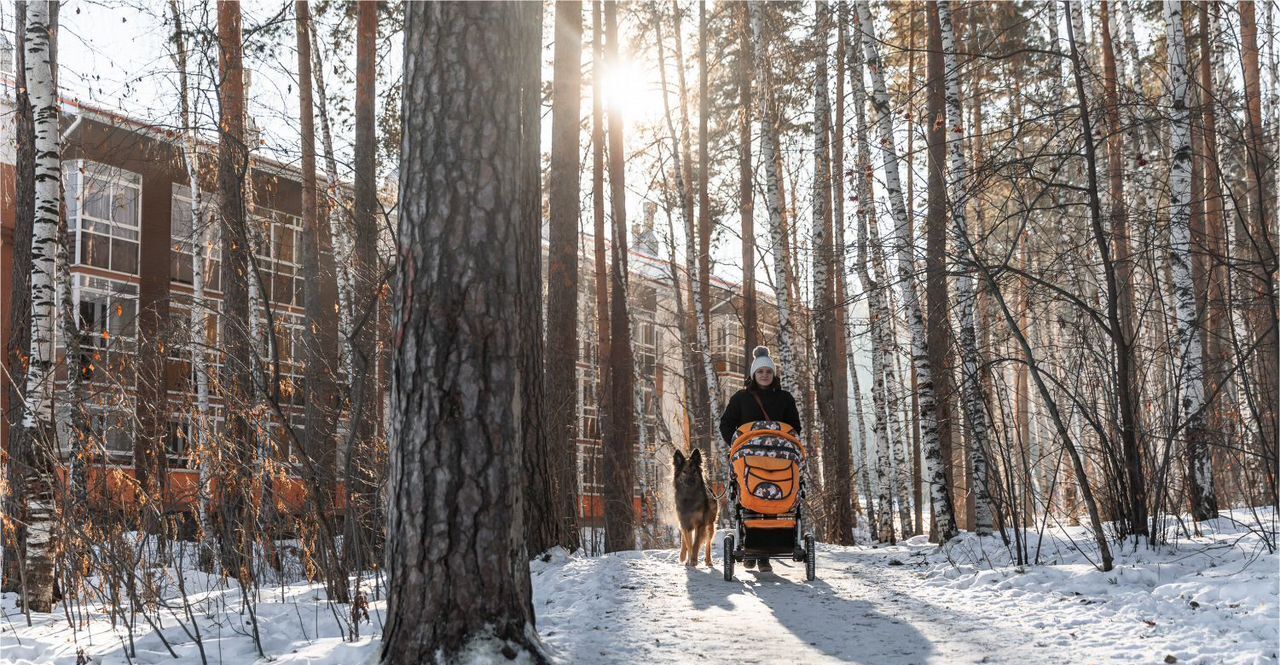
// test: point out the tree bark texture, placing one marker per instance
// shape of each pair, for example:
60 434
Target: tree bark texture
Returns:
465 336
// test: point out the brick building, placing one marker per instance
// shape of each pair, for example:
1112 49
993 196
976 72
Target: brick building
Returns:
129 220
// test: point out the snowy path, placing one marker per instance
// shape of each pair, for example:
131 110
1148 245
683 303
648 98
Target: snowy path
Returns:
645 607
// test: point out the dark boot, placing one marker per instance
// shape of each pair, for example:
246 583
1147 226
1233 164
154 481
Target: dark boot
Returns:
765 566
748 563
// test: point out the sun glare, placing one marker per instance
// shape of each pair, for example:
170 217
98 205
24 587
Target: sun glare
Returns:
633 89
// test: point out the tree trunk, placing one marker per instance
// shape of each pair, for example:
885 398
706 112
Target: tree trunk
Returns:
37 419
773 197
619 448
562 270
1204 504
320 414
1259 296
467 336
363 528
702 276
541 523
18 338
235 483
937 299
940 496
597 203
966 297
746 189
702 431
832 390
877 310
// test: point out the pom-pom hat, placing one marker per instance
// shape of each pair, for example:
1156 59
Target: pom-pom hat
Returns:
762 359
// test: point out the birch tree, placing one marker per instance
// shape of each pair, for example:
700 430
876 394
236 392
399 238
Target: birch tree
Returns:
773 201
1204 504
966 297
882 479
37 418
936 475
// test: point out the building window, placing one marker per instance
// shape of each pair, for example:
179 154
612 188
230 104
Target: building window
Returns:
184 236
177 442
280 250
108 322
113 430
104 207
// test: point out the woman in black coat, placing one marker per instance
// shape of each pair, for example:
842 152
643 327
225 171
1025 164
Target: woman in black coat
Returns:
762 399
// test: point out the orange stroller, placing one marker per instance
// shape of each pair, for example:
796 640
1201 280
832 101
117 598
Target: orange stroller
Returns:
766 490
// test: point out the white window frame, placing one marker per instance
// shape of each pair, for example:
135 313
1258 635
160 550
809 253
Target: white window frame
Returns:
117 179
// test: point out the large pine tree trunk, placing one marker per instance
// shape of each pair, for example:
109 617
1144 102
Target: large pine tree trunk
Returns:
1213 244
966 297
18 338
1259 294
1204 503
619 448
562 270
45 241
235 483
939 493
363 526
601 272
320 415
832 391
458 568
541 525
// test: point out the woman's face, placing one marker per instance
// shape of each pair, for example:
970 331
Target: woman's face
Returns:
764 377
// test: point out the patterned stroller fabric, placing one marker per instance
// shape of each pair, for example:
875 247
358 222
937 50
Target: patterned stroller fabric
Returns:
767 461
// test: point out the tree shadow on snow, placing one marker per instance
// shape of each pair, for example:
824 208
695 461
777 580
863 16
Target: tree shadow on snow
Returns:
848 629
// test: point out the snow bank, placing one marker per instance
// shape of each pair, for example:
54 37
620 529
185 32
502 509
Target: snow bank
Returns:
1212 597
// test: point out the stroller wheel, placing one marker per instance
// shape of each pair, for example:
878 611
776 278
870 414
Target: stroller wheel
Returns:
728 557
810 557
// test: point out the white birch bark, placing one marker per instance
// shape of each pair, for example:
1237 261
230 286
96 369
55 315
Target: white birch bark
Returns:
898 401
934 474
768 154
200 425
1188 325
37 417
878 314
966 297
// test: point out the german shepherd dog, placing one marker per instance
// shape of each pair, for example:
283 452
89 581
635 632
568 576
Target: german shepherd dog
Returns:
695 507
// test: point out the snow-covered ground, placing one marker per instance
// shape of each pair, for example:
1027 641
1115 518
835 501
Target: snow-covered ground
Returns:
1212 598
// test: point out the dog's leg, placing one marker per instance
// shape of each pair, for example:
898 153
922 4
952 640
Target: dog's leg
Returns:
695 543
685 541
711 539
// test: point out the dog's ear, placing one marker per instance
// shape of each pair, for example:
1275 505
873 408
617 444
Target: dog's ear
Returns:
696 458
678 460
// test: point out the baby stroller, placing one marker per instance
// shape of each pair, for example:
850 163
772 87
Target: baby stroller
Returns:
766 493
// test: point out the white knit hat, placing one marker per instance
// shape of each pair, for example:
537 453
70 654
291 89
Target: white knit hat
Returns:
762 359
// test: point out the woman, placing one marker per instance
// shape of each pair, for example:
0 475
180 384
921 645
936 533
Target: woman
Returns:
762 399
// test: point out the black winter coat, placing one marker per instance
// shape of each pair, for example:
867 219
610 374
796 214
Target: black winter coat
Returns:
742 408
